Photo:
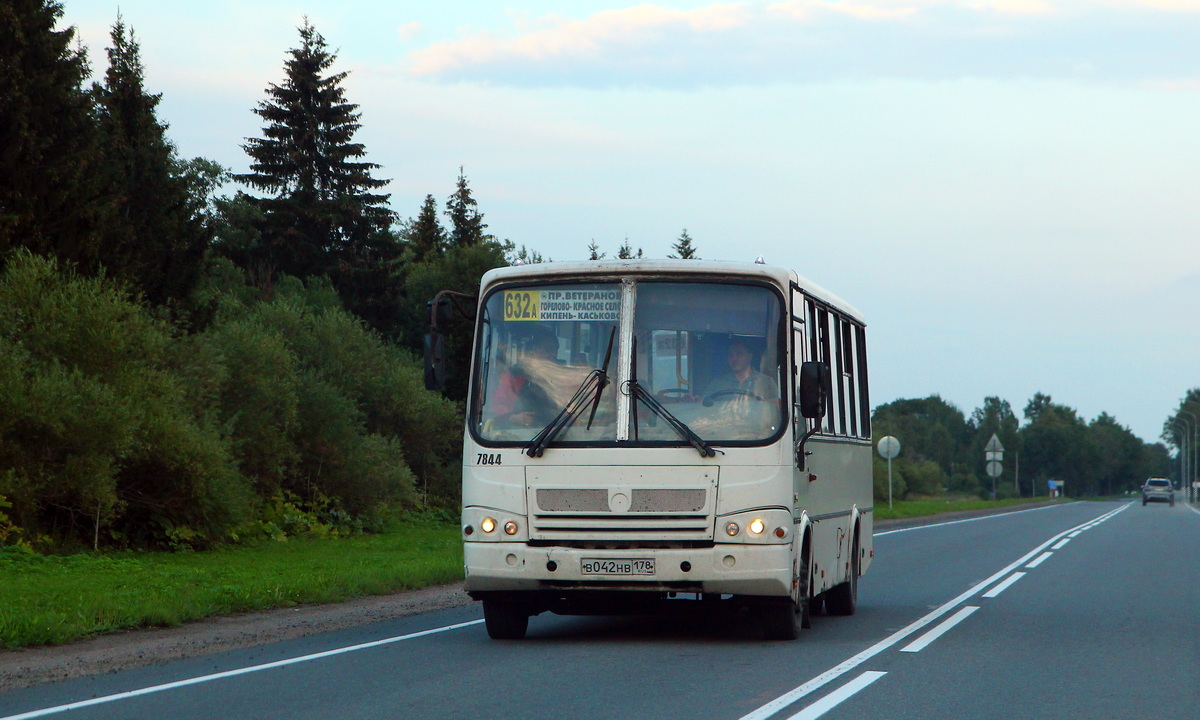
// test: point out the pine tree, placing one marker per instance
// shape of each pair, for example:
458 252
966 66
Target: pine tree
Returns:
323 216
53 199
683 246
159 236
466 222
426 238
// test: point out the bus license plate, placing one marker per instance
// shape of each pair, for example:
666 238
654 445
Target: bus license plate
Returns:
617 566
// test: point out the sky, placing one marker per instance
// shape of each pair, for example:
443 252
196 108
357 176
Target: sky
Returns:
1008 190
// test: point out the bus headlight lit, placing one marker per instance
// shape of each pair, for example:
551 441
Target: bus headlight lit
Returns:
487 525
731 529
757 527
510 528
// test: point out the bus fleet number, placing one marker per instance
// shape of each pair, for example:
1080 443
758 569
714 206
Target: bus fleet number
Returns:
487 459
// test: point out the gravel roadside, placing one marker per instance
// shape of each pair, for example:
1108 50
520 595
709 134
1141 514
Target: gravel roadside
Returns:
137 648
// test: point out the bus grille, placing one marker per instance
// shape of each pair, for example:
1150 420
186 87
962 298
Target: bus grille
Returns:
641 514
647 500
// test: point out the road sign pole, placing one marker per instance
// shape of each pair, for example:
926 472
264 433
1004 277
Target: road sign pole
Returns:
889 447
889 483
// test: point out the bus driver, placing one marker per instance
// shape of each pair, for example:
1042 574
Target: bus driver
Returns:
742 379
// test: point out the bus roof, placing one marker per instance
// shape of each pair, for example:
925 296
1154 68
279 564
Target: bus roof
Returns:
782 277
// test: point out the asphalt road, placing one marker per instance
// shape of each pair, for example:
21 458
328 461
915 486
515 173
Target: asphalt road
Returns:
1102 621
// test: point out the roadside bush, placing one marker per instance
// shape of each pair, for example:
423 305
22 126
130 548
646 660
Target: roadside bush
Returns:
360 399
923 478
258 400
95 432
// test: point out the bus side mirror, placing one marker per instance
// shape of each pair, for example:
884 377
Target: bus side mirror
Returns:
814 389
440 310
435 361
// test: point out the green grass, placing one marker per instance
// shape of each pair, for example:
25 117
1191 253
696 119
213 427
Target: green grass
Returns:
903 509
51 600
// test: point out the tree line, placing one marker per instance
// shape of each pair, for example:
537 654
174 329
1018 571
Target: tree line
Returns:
942 450
180 367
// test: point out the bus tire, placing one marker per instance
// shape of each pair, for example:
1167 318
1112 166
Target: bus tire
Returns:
505 620
843 599
784 618
781 620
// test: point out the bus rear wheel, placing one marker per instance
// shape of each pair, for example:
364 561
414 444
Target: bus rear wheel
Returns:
843 599
505 620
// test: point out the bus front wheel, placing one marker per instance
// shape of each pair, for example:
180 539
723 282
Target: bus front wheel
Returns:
784 618
505 620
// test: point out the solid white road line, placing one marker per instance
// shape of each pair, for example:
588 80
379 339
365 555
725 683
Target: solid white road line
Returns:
837 697
849 664
1041 559
1004 585
232 673
967 520
923 642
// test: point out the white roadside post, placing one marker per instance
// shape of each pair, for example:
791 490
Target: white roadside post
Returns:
993 453
889 447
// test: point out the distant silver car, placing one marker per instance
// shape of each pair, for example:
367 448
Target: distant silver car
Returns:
1158 490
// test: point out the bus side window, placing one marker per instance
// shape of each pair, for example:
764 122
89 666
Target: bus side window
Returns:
825 355
846 348
860 367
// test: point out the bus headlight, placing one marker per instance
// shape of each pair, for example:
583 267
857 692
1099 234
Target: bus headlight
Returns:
510 528
759 526
487 525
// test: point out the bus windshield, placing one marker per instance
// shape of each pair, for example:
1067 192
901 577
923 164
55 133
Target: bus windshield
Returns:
710 354
707 351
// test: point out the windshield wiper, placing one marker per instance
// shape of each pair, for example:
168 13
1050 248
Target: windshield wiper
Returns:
642 394
590 390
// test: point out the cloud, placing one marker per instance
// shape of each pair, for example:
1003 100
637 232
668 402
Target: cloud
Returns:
561 39
751 43
408 31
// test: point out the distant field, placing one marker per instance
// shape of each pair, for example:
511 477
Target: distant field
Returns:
53 600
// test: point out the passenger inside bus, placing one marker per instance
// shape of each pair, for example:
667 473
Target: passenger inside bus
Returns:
519 398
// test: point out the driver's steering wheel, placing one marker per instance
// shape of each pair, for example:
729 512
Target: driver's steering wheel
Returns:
708 401
673 394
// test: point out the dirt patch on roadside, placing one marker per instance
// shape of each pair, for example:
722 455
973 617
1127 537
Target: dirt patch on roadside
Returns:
138 648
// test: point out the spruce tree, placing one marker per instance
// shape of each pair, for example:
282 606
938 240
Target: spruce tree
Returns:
323 214
683 246
426 238
53 199
625 252
159 235
466 222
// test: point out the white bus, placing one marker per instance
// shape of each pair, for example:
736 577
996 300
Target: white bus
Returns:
643 433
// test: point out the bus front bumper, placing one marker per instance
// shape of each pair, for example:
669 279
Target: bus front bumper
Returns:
722 569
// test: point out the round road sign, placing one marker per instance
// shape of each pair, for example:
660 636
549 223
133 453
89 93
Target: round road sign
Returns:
889 447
